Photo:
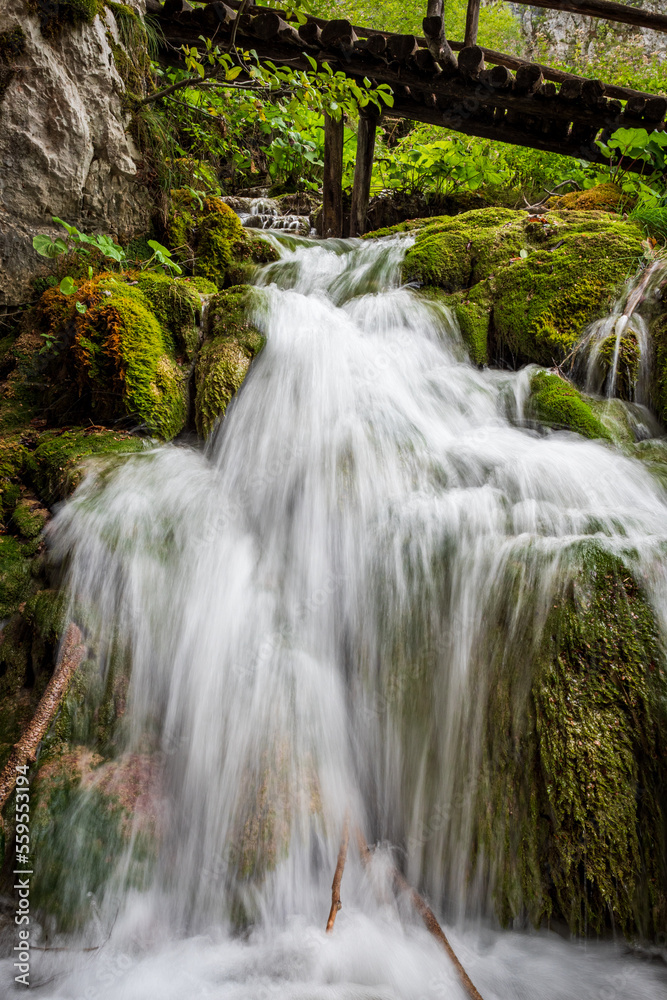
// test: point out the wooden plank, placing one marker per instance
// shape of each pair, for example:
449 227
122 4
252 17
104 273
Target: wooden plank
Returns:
604 9
472 23
332 181
363 169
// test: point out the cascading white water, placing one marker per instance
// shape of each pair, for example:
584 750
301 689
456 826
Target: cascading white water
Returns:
601 345
366 496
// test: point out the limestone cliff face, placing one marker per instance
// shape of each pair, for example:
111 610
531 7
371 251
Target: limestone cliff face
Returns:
63 146
575 39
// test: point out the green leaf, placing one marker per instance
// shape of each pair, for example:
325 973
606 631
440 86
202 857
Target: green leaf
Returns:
81 308
154 245
523 254
71 230
44 245
67 286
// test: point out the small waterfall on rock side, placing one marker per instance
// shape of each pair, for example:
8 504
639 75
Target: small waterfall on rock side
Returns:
614 355
314 607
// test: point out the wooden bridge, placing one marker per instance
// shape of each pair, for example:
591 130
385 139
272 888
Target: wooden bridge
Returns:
458 85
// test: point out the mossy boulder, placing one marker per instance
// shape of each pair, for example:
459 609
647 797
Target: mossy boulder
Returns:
603 197
556 403
545 277
572 795
115 359
211 239
231 343
94 815
57 464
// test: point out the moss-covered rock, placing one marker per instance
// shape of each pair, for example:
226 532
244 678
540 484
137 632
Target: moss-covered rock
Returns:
86 814
57 464
556 403
211 240
546 277
116 359
572 796
603 198
231 344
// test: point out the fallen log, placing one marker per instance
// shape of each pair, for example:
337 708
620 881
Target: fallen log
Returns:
338 875
426 913
71 655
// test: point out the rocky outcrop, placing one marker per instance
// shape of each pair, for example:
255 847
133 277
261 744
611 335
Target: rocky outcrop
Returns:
523 287
556 36
64 150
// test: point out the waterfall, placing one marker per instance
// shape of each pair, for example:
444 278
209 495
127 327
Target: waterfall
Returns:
614 353
315 607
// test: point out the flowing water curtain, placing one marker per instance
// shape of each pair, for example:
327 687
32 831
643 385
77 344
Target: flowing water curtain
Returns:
355 610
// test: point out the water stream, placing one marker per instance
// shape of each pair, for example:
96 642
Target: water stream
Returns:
310 605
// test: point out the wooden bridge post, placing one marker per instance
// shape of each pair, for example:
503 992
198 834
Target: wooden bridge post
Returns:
363 169
332 183
472 22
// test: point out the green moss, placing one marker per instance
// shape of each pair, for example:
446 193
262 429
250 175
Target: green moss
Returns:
12 44
658 386
556 403
28 520
15 576
56 16
225 357
627 365
116 357
543 303
571 803
601 724
547 277
603 197
211 239
177 305
56 466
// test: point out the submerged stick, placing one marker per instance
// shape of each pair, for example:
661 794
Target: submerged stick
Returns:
338 875
25 750
426 913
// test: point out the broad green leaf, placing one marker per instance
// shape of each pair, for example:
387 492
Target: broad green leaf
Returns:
67 286
44 245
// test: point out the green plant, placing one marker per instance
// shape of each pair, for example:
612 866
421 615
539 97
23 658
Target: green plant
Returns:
161 256
78 242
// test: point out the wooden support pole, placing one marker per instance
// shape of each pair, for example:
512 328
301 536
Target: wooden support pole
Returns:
72 653
620 12
338 875
472 23
332 182
434 30
363 169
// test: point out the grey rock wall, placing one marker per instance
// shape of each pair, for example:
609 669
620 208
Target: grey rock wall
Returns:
63 146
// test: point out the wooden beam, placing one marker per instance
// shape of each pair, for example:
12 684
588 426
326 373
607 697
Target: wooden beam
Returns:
604 9
490 55
363 170
472 23
332 182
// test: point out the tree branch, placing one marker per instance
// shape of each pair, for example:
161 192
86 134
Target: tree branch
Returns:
25 750
338 875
